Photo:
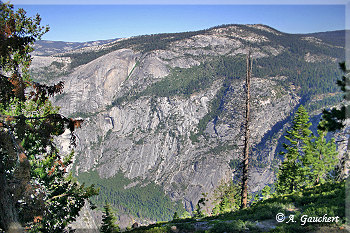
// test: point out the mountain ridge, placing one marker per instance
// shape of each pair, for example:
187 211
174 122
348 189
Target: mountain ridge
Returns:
172 112
48 47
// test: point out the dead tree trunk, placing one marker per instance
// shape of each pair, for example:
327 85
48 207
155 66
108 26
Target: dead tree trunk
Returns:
244 194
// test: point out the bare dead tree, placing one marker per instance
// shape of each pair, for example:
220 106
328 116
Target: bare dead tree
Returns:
244 194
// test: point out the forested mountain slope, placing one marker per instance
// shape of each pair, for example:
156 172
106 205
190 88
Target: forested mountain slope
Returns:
168 109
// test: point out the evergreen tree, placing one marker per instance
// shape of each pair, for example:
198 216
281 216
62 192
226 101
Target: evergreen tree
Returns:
36 189
266 192
226 198
308 159
320 158
334 118
199 212
290 174
176 216
108 220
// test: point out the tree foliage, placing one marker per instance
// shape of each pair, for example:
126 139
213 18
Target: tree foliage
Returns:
199 211
290 176
307 159
334 118
320 158
226 198
108 220
35 185
142 201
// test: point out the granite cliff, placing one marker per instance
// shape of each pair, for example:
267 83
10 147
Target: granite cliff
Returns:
169 108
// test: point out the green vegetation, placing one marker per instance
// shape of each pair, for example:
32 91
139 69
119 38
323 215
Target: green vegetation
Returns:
46 74
315 82
308 160
226 198
142 201
58 65
109 220
327 198
199 212
188 81
295 44
185 82
309 80
336 38
144 44
136 65
305 188
140 142
36 190
49 73
334 118
324 102
147 43
222 148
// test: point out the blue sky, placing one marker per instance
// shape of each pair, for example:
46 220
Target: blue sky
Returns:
88 22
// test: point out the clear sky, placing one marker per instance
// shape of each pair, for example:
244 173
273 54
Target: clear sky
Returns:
71 21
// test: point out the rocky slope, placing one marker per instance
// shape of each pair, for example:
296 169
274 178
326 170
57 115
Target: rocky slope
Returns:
171 115
47 48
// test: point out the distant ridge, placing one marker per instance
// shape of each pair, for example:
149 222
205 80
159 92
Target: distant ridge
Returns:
332 37
47 47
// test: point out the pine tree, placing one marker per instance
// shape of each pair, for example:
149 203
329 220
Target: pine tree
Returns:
290 176
226 197
320 158
108 220
308 159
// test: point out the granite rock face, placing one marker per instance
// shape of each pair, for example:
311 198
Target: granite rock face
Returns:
150 137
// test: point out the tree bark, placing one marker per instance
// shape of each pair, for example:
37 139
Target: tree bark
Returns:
244 194
8 214
8 211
